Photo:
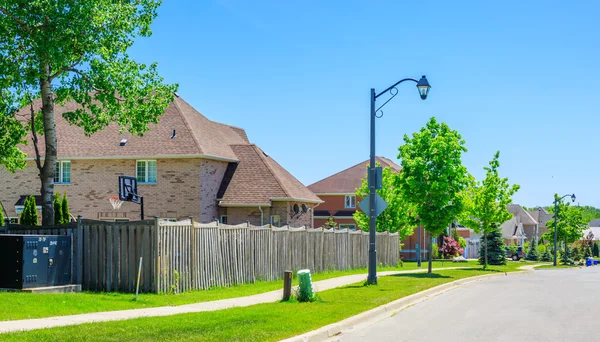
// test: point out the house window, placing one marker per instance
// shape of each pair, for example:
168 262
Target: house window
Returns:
348 226
13 220
224 219
146 171
275 220
349 202
62 172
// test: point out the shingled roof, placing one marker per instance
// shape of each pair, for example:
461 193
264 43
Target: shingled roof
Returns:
197 136
348 180
258 180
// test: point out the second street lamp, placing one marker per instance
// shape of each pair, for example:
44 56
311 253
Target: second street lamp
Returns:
556 203
423 88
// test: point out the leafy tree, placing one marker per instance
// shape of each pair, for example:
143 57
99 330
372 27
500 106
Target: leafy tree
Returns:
450 248
494 245
68 50
570 226
57 209
513 248
396 217
66 215
433 179
29 216
487 205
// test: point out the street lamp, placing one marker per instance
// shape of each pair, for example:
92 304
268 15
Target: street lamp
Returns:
556 202
423 88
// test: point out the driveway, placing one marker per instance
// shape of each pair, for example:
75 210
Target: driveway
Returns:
544 305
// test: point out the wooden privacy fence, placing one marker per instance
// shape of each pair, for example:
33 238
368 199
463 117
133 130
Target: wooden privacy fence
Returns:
186 255
199 256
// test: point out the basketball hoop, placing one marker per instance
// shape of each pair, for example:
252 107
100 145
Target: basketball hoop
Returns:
115 202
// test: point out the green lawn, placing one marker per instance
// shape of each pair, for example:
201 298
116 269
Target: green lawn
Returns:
263 322
15 305
550 266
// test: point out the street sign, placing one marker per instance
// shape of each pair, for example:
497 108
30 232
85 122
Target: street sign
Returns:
380 205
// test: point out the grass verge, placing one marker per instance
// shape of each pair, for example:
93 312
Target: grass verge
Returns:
14 305
550 266
263 322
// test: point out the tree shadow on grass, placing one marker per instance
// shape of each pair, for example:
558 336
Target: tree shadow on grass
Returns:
420 275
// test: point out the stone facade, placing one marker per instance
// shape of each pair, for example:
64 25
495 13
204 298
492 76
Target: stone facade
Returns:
175 194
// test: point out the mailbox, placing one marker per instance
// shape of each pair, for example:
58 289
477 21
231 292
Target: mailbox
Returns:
30 261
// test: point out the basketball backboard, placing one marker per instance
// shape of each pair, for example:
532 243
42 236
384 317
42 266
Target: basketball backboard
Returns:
128 189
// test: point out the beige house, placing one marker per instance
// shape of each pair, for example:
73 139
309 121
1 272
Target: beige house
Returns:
186 165
521 227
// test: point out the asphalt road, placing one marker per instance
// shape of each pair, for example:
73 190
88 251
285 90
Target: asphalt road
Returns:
544 305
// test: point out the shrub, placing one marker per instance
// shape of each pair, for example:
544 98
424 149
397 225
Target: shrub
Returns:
435 251
66 215
541 249
547 255
595 249
29 216
57 209
1 215
450 248
330 223
462 242
513 249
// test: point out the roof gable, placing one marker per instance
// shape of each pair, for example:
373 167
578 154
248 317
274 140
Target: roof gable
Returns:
348 180
259 179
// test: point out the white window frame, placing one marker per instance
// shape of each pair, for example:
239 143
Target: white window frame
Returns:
349 226
352 202
278 220
61 172
146 168
221 219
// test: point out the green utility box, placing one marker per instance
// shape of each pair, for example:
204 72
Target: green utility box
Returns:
306 288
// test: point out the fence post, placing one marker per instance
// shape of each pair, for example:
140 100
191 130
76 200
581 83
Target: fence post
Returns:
287 285
156 243
79 250
193 266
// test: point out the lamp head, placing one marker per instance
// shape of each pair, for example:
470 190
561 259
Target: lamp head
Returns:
573 198
423 86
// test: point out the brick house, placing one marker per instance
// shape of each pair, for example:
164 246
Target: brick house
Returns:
338 193
186 165
521 227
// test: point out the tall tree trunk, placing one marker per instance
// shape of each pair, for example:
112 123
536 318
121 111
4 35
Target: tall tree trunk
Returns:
430 254
47 172
485 259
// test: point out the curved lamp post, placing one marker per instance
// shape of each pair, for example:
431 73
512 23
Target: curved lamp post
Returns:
556 203
423 88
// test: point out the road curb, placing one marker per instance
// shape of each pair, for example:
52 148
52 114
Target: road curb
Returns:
381 312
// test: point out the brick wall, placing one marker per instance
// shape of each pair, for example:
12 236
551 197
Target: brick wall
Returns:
211 175
175 194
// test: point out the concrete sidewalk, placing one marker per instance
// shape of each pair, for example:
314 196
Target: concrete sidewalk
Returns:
267 297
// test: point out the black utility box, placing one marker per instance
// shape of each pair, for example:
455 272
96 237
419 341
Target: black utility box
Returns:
30 261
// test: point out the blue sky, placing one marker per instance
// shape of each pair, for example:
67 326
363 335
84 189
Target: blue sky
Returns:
515 76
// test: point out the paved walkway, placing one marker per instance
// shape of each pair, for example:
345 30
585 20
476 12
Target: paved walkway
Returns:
267 297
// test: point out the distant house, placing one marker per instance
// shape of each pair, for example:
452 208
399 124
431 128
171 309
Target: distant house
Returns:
186 165
338 193
594 223
521 227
